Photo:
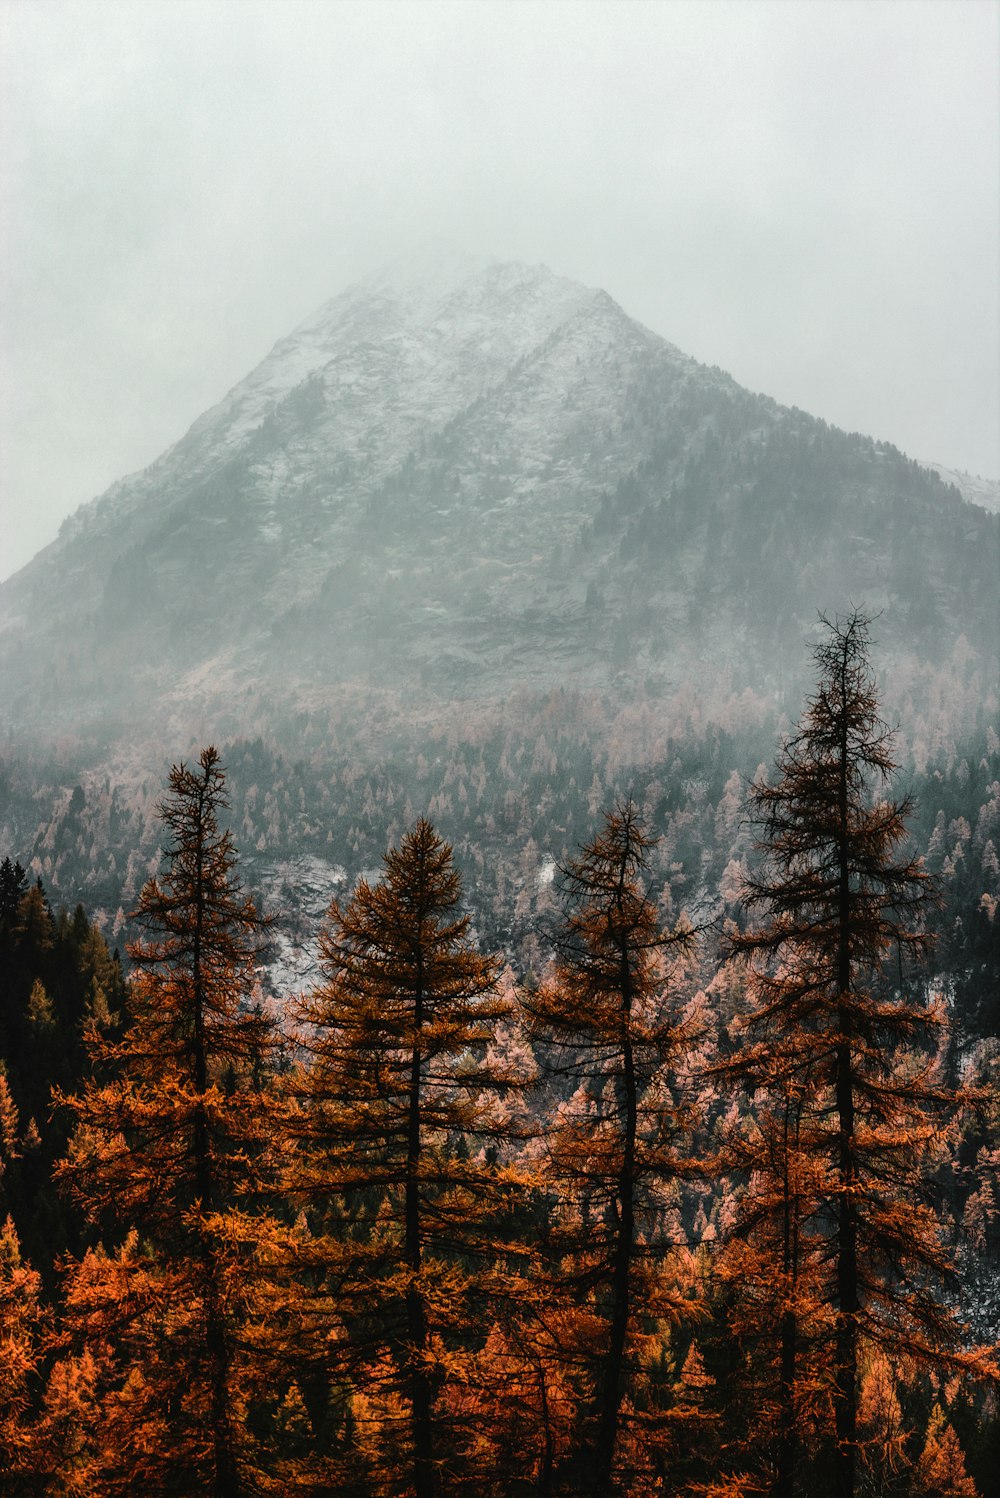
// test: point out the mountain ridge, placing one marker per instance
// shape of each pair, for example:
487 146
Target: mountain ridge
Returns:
465 477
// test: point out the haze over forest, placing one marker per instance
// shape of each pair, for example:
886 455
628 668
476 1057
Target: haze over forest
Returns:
500 793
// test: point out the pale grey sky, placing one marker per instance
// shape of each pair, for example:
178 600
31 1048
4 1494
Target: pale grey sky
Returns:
805 192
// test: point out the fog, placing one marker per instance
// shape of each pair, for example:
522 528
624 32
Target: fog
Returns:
804 195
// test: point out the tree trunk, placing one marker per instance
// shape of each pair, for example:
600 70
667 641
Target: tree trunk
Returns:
846 1353
784 1483
846 1349
611 1395
548 1449
787 1435
226 1481
416 1319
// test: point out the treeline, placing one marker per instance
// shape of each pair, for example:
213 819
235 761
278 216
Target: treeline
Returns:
511 791
610 1229
57 980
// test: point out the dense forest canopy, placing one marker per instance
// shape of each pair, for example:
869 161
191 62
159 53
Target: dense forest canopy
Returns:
636 1132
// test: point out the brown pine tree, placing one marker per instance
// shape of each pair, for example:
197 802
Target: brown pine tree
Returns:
162 1150
842 1055
391 1123
608 1029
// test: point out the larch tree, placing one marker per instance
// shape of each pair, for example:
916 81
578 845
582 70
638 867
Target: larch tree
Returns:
941 1471
768 1265
840 1050
168 1135
609 1034
23 1328
390 1123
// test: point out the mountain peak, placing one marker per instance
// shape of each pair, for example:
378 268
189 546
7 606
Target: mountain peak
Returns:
466 316
433 268
434 271
438 284
472 473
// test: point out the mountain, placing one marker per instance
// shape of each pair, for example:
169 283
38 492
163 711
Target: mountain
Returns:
461 477
472 542
971 486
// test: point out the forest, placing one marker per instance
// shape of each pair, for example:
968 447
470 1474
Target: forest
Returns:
591 1187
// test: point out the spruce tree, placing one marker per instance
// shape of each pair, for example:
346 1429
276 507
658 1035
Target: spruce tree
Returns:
56 976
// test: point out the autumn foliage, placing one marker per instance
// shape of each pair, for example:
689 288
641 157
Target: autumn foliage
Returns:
663 1215
167 1139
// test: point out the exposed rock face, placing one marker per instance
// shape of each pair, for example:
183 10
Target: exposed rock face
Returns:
468 476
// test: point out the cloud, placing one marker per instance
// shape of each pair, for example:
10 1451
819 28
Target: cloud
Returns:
806 195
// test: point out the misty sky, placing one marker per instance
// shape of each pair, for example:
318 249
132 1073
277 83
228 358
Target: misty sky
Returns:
803 193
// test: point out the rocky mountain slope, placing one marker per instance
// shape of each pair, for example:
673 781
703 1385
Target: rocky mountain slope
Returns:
971 486
462 477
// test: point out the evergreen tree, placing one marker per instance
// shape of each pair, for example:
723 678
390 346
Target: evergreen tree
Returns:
56 976
162 1149
609 1030
13 888
841 1053
769 1266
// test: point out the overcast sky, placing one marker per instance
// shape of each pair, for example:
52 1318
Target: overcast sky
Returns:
803 192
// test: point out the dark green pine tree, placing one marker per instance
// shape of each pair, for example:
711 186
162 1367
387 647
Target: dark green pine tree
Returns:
13 888
56 978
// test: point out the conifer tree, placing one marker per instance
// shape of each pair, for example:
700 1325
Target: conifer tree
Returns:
70 1433
941 1471
769 1263
162 1149
610 1031
13 887
840 1051
389 1124
23 1321
55 976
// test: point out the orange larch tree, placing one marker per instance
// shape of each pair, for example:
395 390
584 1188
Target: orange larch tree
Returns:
768 1266
168 1135
393 1128
841 1051
610 1033
24 1325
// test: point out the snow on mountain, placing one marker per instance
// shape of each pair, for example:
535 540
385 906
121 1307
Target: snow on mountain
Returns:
461 475
304 885
459 326
978 491
378 368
